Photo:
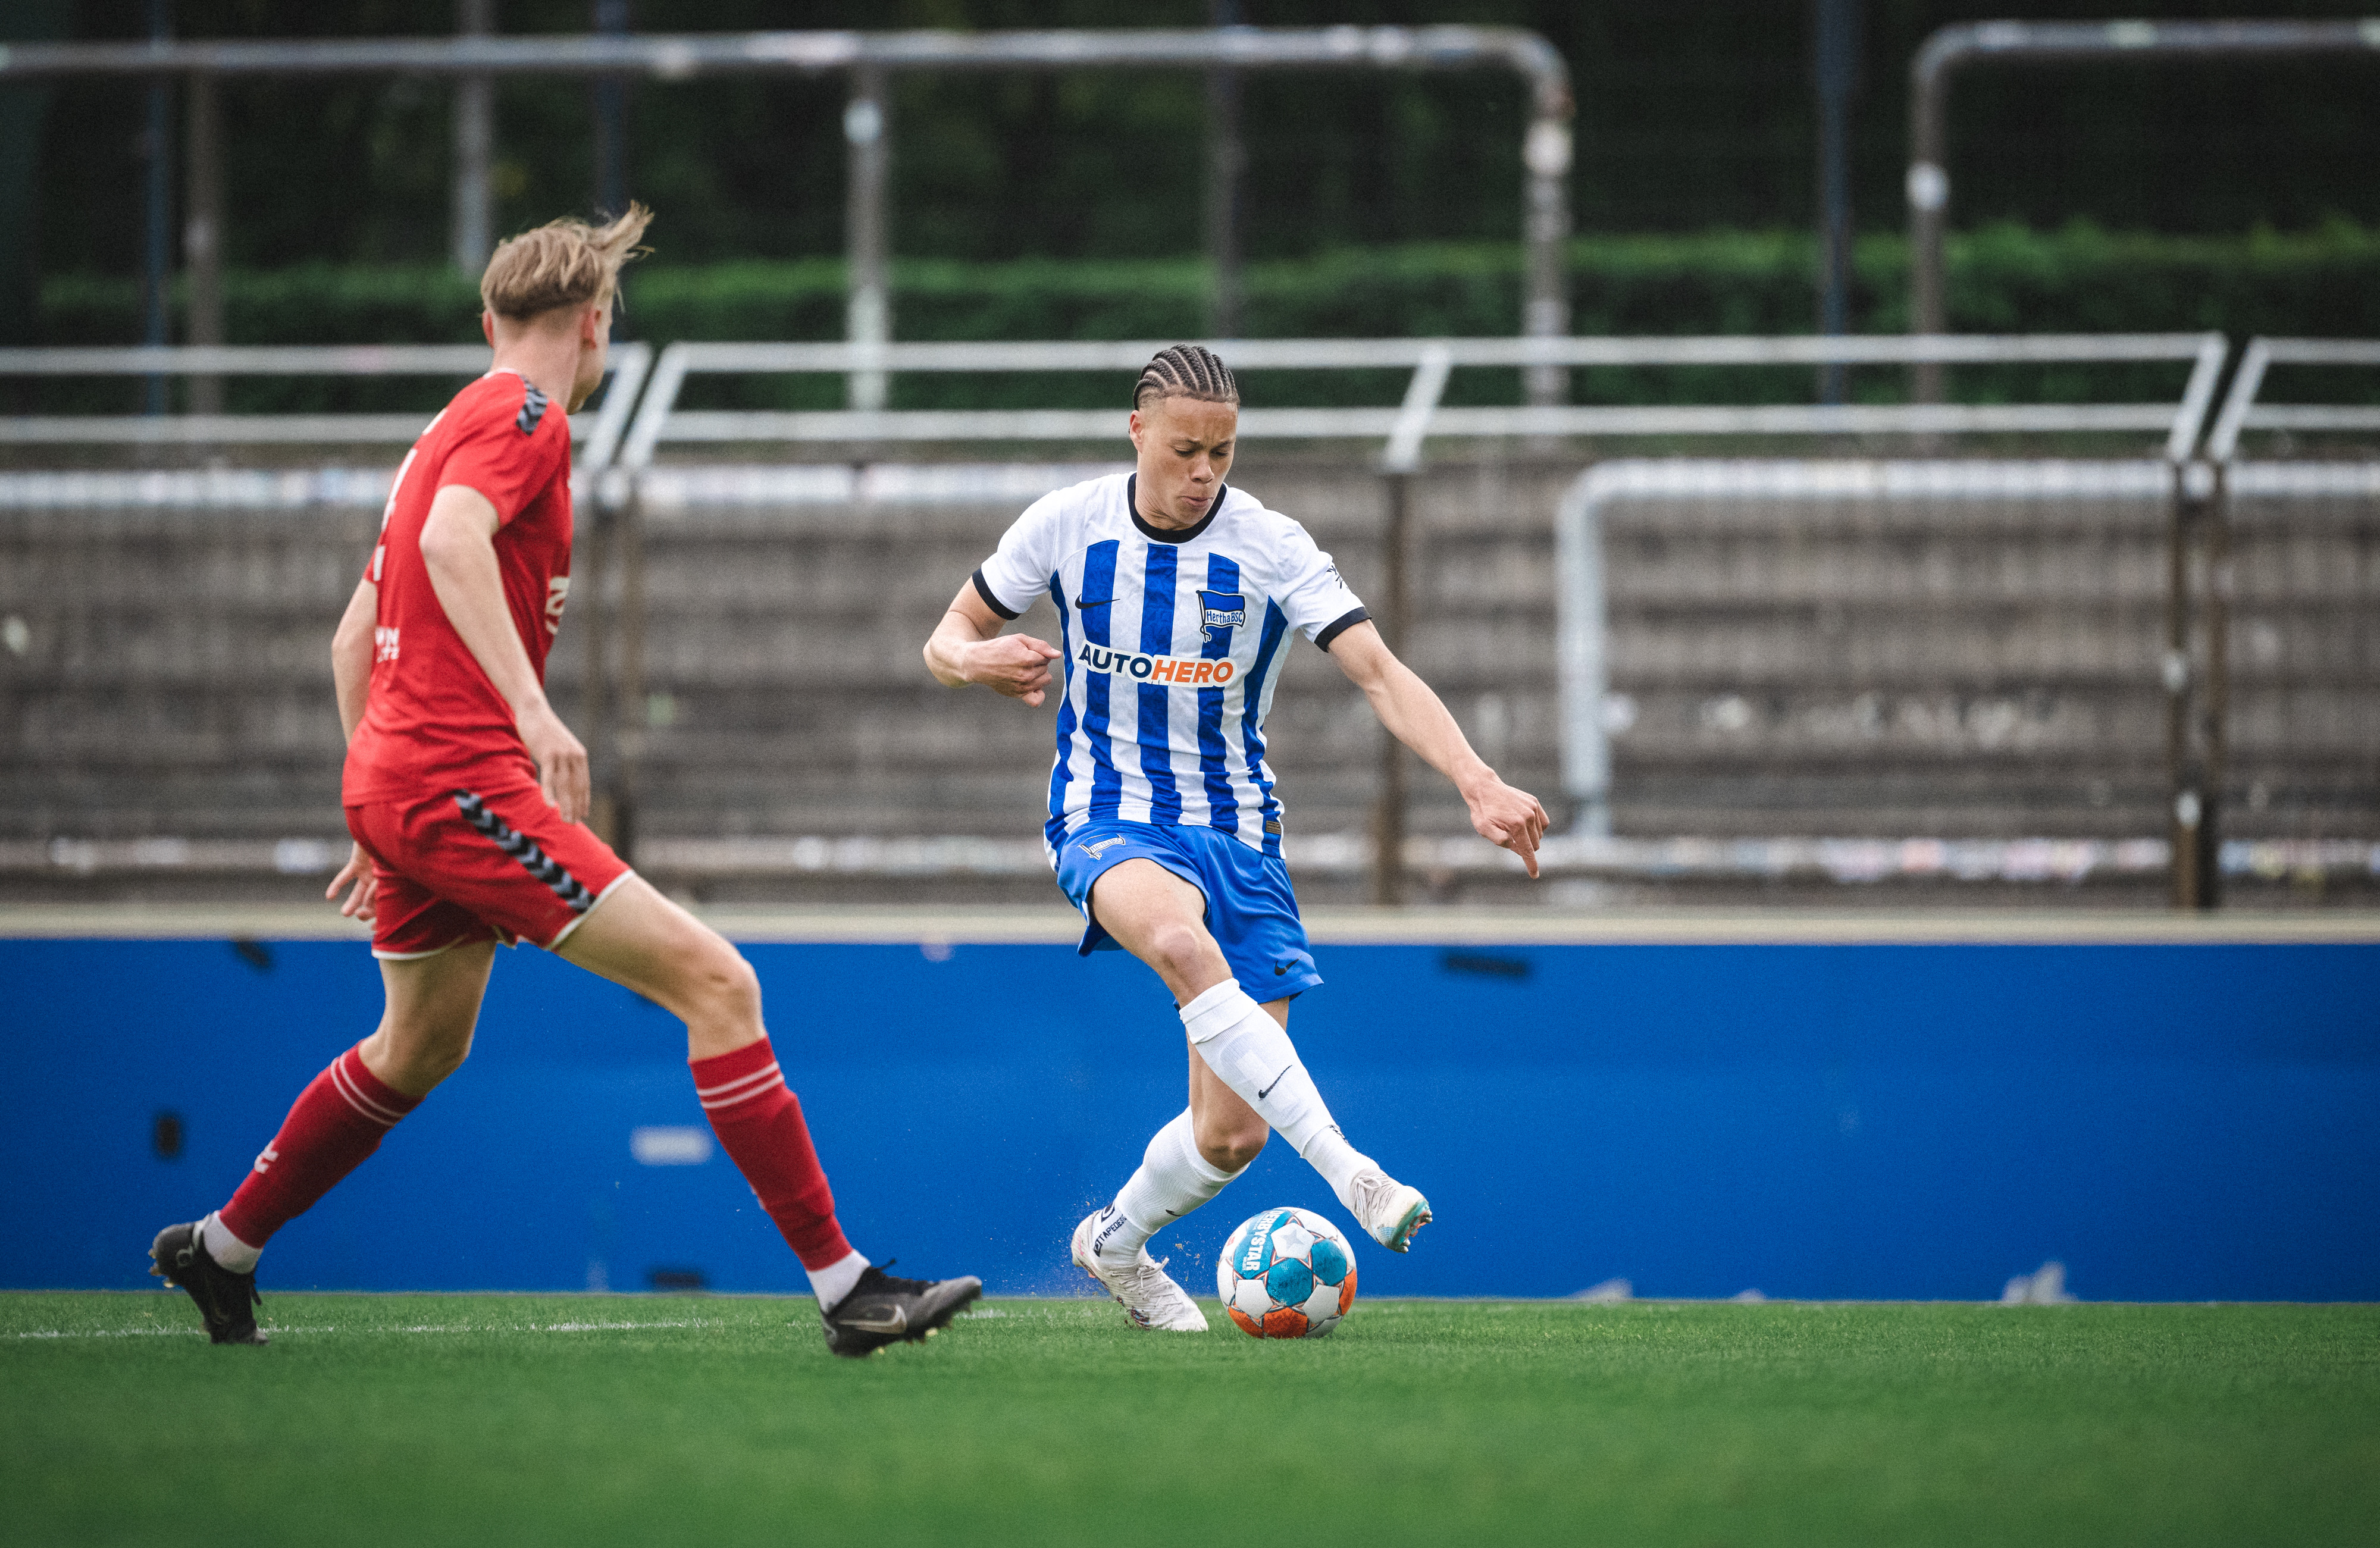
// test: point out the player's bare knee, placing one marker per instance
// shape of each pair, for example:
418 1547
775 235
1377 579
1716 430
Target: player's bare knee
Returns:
1183 952
441 1056
1233 1150
723 987
414 1057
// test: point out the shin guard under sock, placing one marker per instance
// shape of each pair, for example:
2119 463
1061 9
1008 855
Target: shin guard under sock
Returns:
1173 1180
1249 1052
759 1123
336 1121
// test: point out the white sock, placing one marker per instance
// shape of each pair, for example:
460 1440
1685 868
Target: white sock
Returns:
1249 1052
226 1250
834 1281
1173 1180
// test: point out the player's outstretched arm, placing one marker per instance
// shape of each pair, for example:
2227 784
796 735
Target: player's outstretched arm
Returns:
459 548
351 648
968 647
1417 717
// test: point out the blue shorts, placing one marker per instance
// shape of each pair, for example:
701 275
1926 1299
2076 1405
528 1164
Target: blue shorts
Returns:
1250 909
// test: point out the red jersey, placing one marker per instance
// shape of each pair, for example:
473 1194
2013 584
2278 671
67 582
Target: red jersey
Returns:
433 721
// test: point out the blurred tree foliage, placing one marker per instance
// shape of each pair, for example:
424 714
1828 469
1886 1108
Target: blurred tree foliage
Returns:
1693 116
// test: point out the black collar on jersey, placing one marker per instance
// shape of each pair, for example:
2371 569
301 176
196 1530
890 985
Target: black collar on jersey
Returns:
1159 534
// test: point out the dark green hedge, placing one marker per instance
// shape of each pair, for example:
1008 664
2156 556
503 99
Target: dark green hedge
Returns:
2079 279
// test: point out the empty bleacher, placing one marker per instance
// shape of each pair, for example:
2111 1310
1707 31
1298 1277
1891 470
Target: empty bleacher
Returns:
1950 668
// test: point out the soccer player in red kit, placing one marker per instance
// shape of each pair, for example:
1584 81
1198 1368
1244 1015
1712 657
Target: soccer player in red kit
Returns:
464 792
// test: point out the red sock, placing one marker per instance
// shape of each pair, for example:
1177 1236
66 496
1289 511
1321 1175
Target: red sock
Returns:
760 1123
338 1120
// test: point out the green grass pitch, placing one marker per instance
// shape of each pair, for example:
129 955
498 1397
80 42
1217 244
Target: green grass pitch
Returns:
585 1419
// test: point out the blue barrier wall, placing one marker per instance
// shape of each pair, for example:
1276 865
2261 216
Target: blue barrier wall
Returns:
2174 1121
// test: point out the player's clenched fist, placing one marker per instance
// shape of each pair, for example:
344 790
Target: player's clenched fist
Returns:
1014 665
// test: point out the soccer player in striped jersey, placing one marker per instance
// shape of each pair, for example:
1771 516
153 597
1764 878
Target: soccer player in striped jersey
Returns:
1177 600
464 792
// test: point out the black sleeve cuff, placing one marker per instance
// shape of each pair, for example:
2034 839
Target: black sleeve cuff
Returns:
1339 625
994 603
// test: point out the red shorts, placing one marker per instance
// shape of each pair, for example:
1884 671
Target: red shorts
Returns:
464 868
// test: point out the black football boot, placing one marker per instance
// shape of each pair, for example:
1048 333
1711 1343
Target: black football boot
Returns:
884 1309
224 1299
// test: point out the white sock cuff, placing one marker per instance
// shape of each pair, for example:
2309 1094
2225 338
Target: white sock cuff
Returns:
226 1250
834 1281
1216 1011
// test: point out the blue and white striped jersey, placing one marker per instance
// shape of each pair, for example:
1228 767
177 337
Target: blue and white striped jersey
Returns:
1174 643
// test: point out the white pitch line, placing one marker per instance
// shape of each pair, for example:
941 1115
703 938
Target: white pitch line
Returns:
366 1332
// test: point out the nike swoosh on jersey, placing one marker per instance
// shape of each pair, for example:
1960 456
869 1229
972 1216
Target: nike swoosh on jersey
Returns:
1080 603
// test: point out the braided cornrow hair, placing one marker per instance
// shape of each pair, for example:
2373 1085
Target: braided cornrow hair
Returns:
1186 370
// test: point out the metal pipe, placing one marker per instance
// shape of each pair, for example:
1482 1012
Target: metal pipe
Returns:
610 114
601 433
1546 149
2213 519
159 191
2187 802
867 322
1393 620
203 228
683 57
470 234
1837 75
591 544
1718 349
1402 453
1955 47
1226 163
628 710
2197 397
1585 674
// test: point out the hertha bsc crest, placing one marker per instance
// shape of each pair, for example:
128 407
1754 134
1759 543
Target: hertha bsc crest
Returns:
1221 610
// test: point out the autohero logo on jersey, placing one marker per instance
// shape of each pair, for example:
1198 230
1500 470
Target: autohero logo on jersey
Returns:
1181 671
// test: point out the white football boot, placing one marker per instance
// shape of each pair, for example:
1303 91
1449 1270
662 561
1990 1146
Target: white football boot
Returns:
1389 1209
1141 1286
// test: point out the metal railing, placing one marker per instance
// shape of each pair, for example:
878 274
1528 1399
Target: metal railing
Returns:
1965 44
868 59
1403 429
1583 629
639 426
2243 410
2209 735
625 373
1423 414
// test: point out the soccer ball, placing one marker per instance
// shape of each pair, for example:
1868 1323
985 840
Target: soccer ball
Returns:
1286 1273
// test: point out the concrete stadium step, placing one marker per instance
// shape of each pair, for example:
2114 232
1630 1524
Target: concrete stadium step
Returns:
1777 667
